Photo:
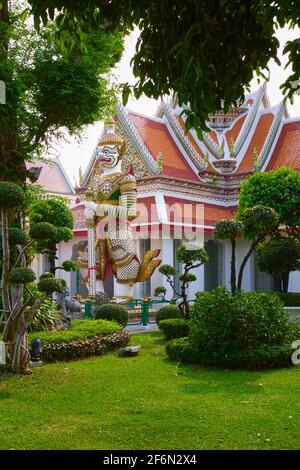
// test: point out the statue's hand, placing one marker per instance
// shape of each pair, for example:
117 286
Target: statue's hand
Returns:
90 210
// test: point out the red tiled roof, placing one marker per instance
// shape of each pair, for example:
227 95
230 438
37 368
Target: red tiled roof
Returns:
258 140
157 138
235 130
287 150
189 136
51 177
214 137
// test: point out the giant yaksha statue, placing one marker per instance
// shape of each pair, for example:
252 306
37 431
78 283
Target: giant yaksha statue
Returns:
110 206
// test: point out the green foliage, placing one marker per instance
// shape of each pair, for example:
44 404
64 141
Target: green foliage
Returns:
179 45
278 254
69 265
46 276
112 312
167 270
50 285
244 330
227 230
160 291
279 189
11 195
40 75
47 317
21 275
169 311
54 210
187 277
174 328
258 221
43 231
80 330
190 254
16 236
86 338
181 350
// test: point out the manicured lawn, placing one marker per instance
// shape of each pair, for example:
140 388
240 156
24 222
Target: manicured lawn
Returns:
148 402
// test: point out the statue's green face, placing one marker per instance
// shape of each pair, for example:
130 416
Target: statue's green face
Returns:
108 156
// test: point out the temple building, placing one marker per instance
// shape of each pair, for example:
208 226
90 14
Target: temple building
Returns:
185 185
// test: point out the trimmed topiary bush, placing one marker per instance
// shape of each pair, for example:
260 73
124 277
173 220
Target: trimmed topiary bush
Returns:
46 276
181 350
86 338
43 231
21 275
50 285
112 312
69 265
169 311
16 236
245 330
174 328
11 195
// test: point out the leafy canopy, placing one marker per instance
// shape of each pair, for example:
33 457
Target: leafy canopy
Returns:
278 254
206 52
49 89
279 189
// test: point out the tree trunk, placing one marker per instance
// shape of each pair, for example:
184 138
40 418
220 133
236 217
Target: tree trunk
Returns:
233 267
243 264
5 263
52 258
285 281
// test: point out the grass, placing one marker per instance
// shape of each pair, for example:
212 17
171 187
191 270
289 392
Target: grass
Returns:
148 402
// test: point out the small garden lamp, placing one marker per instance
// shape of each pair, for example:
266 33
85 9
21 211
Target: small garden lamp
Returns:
36 347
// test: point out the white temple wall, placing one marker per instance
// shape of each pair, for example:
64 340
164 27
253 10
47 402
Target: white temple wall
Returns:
294 282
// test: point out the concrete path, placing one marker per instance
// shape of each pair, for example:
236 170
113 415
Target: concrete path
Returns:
142 329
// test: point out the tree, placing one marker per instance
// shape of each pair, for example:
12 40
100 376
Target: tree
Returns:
191 257
279 189
206 52
44 84
56 212
278 256
254 225
17 274
229 230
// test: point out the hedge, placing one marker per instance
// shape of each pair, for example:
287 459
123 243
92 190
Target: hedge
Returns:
169 311
290 299
174 327
80 329
82 340
248 330
112 312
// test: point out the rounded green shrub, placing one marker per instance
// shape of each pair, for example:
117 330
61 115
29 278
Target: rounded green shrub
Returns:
21 275
46 275
16 236
181 350
174 328
43 231
245 330
11 195
160 291
69 265
169 311
112 312
50 285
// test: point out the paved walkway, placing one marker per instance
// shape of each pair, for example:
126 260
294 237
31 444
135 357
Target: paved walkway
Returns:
142 329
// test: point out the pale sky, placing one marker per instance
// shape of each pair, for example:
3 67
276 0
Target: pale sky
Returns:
74 155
